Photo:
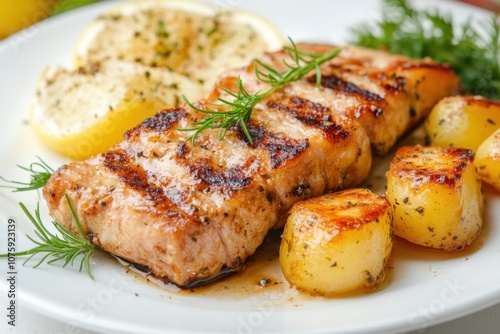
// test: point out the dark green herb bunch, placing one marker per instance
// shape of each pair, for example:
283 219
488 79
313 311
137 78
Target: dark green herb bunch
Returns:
471 48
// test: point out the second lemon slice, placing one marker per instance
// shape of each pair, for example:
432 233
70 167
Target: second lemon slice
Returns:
188 37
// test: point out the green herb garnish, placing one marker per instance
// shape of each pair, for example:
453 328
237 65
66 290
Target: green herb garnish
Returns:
239 110
472 49
67 248
40 173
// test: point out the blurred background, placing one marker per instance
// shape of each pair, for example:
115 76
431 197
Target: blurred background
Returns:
19 14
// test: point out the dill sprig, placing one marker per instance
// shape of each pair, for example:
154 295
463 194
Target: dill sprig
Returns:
40 173
239 108
472 49
67 248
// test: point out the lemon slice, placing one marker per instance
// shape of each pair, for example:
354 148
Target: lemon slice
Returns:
136 59
191 38
17 15
81 113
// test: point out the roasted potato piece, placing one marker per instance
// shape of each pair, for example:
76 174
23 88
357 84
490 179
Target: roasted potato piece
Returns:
462 121
436 196
487 160
337 243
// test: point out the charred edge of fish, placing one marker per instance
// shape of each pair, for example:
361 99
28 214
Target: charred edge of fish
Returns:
312 114
160 122
340 85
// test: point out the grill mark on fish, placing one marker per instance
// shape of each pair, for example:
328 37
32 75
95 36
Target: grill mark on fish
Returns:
340 85
368 102
227 180
312 114
136 177
161 122
280 147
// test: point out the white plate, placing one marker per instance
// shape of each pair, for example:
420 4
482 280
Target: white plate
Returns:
426 288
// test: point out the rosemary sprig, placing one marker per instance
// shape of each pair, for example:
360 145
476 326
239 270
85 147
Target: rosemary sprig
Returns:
473 50
239 109
40 174
67 248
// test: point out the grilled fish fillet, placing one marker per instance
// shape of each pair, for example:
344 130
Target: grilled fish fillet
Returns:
192 213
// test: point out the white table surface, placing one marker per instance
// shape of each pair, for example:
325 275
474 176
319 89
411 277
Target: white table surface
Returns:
484 322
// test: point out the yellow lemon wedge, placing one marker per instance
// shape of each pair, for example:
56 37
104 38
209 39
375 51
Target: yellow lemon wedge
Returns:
84 112
136 59
16 15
